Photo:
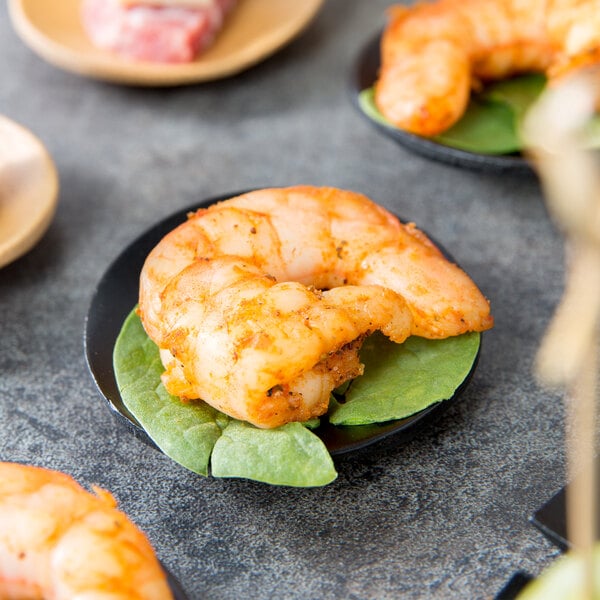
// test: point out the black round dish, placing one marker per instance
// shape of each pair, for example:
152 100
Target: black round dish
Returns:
117 294
363 76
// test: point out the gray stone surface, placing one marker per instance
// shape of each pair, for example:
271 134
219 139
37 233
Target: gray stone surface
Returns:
445 516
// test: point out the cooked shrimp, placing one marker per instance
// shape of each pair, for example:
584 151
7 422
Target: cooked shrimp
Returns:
268 352
233 298
60 542
433 54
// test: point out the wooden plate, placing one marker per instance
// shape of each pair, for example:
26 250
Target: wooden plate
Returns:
254 30
28 190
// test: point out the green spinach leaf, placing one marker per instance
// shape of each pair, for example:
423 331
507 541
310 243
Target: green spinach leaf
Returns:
196 435
288 455
399 380
487 127
492 121
412 376
184 431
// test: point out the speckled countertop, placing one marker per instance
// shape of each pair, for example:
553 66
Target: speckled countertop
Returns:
444 516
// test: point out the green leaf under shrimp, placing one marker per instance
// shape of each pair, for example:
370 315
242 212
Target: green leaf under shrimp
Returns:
492 122
487 127
289 455
412 376
186 432
518 93
399 380
195 435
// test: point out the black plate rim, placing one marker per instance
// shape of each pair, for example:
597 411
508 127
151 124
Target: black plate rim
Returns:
363 76
98 348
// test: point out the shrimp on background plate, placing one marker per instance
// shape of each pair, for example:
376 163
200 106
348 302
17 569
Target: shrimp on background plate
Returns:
260 303
60 542
434 53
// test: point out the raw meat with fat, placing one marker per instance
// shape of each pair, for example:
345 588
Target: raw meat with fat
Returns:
164 34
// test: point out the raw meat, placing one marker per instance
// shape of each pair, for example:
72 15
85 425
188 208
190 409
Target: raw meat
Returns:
161 34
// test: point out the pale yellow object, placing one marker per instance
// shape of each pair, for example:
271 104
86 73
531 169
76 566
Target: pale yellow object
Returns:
58 541
253 31
28 190
571 182
568 354
563 580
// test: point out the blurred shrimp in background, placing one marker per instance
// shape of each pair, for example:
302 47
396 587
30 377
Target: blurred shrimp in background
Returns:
433 54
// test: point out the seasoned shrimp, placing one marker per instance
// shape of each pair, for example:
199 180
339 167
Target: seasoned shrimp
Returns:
233 298
263 351
433 54
60 542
